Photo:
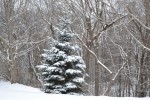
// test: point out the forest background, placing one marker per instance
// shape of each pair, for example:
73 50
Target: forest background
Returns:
113 35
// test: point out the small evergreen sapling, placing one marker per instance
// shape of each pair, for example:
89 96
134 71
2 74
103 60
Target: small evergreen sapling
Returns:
62 71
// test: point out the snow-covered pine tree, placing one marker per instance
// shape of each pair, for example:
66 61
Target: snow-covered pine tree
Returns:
62 70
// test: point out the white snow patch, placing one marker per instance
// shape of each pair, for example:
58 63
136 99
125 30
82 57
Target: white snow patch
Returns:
41 67
78 80
58 77
54 69
64 44
59 63
44 55
48 84
21 92
73 71
82 66
70 85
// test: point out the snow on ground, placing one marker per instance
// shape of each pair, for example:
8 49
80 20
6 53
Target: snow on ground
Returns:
21 92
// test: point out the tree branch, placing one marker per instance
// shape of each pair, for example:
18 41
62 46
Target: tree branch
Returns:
113 80
107 26
135 38
91 52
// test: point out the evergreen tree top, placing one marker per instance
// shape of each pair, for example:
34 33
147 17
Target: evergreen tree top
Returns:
64 32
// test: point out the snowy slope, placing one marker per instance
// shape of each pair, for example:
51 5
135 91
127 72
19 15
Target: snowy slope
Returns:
20 92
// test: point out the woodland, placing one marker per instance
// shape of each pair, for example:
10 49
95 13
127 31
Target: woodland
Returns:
113 36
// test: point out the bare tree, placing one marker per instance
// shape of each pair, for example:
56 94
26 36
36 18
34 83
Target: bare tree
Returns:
19 37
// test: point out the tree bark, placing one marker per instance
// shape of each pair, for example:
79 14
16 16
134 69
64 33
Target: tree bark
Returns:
8 8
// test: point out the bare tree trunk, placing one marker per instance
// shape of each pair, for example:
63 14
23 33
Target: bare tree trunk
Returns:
142 84
97 73
8 7
143 75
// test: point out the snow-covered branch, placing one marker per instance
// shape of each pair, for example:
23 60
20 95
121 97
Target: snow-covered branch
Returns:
109 25
31 48
119 71
109 85
91 52
2 40
135 38
122 52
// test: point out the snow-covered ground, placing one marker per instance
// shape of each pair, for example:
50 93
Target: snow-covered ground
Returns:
21 92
